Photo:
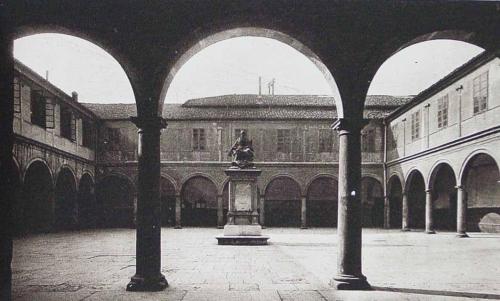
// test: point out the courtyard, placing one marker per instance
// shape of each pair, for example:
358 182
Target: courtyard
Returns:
296 265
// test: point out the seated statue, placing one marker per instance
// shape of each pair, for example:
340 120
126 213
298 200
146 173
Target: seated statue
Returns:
242 152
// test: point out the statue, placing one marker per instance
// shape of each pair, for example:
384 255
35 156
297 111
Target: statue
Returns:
242 152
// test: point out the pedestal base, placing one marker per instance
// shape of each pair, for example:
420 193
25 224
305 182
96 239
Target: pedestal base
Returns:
242 240
348 282
242 230
139 284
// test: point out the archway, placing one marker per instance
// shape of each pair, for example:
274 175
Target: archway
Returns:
415 191
38 205
199 202
167 195
322 202
193 46
372 198
115 195
87 210
14 180
395 202
65 200
282 202
444 197
480 178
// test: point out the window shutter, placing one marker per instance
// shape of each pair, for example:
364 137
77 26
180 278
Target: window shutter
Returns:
73 127
49 113
17 96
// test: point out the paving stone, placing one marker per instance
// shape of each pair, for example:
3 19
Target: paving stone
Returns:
297 265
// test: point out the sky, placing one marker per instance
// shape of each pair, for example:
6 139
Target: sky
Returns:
231 66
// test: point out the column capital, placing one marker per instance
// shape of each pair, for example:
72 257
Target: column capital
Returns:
349 124
428 191
149 123
459 187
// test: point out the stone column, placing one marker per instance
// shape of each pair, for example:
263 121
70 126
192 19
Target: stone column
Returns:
220 212
303 213
178 208
387 213
349 272
6 141
429 221
461 212
262 203
405 223
148 275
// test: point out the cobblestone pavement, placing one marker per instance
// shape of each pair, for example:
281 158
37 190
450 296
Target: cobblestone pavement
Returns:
297 265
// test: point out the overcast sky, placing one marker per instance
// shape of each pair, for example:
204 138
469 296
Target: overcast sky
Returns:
230 67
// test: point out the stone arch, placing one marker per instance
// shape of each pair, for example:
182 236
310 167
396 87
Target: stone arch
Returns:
25 31
196 44
282 175
38 197
470 157
372 199
326 175
395 193
87 209
199 201
115 200
415 192
66 214
168 193
322 201
392 46
172 181
480 178
282 201
431 177
42 161
70 169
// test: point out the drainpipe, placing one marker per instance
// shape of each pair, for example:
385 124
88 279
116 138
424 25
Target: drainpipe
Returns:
427 123
386 197
404 137
459 90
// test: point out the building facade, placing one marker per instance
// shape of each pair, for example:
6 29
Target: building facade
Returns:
78 162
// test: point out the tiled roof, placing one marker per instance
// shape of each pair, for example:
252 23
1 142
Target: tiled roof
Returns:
253 100
249 107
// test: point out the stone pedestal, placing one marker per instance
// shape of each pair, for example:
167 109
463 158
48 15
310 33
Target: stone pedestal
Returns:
242 226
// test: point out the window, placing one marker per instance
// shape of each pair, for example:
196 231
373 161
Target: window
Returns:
17 96
66 122
113 138
480 92
284 141
368 141
38 103
87 133
238 131
325 140
199 141
442 113
393 138
415 125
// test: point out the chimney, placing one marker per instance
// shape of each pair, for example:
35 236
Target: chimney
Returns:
260 85
74 95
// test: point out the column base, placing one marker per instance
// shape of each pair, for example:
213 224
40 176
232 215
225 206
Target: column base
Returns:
177 227
220 227
405 230
303 227
140 284
462 235
430 232
350 282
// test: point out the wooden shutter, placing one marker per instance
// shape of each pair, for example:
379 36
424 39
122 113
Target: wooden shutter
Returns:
49 113
17 96
73 127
